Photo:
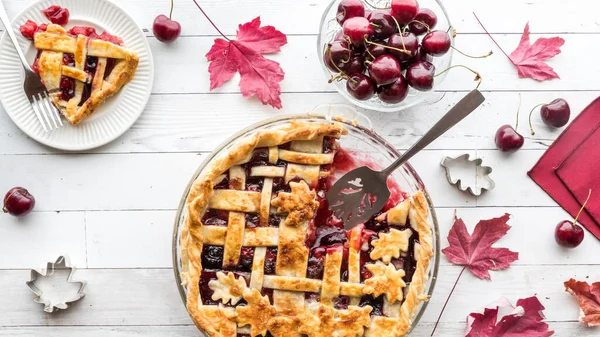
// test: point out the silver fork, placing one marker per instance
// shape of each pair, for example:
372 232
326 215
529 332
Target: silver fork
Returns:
33 86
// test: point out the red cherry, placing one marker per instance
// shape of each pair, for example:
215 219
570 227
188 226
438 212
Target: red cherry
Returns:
556 113
436 43
356 29
376 50
356 65
420 75
349 9
18 202
28 29
383 23
426 16
337 55
405 10
568 234
360 86
384 70
406 40
508 139
165 29
395 92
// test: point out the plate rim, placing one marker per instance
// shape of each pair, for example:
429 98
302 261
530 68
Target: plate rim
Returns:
78 147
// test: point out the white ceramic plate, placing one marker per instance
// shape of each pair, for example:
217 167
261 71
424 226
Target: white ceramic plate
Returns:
111 119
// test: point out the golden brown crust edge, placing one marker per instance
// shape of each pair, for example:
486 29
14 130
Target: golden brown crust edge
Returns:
202 189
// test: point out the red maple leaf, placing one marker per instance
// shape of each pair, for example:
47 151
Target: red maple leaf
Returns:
524 320
475 251
589 300
529 58
258 75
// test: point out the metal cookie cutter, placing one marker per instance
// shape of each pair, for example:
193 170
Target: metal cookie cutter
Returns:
54 286
459 172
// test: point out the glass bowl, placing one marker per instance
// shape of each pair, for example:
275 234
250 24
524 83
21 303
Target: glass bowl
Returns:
362 141
329 27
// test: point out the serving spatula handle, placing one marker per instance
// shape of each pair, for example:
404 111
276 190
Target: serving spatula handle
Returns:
461 110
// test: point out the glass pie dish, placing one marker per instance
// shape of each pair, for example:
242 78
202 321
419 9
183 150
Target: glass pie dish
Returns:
328 29
365 146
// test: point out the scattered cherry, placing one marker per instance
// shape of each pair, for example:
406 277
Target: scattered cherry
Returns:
349 9
357 29
423 22
383 23
404 11
165 29
360 86
555 114
395 92
384 70
57 15
18 202
405 41
420 75
568 233
508 139
436 43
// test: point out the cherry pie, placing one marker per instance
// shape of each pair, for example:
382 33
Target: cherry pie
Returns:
263 255
80 68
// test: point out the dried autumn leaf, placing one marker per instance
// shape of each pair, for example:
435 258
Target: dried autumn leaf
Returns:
502 319
258 75
529 58
475 251
589 300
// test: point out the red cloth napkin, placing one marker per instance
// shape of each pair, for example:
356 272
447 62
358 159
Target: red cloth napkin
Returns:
579 172
543 173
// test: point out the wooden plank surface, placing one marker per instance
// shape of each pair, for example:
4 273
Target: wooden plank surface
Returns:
112 210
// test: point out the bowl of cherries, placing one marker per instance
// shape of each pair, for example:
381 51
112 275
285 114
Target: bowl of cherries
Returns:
385 55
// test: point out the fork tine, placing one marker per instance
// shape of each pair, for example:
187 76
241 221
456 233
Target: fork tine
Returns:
44 111
53 113
36 109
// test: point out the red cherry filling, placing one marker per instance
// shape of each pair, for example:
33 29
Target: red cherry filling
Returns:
271 261
215 217
28 29
57 15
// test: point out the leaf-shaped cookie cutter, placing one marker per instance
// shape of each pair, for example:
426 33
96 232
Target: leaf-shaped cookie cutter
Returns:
481 174
55 300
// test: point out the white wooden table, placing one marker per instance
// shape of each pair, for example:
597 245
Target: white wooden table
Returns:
112 209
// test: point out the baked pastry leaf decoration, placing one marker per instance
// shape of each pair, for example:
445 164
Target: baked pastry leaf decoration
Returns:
300 204
257 313
324 323
389 245
227 288
386 280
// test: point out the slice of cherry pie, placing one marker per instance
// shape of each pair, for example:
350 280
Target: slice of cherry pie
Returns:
263 255
80 68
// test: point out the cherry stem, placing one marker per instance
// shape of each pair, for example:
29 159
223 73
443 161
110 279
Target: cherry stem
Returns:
582 207
477 75
375 25
471 56
399 29
328 51
171 12
388 47
490 35
531 112
368 52
447 300
518 110
212 23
